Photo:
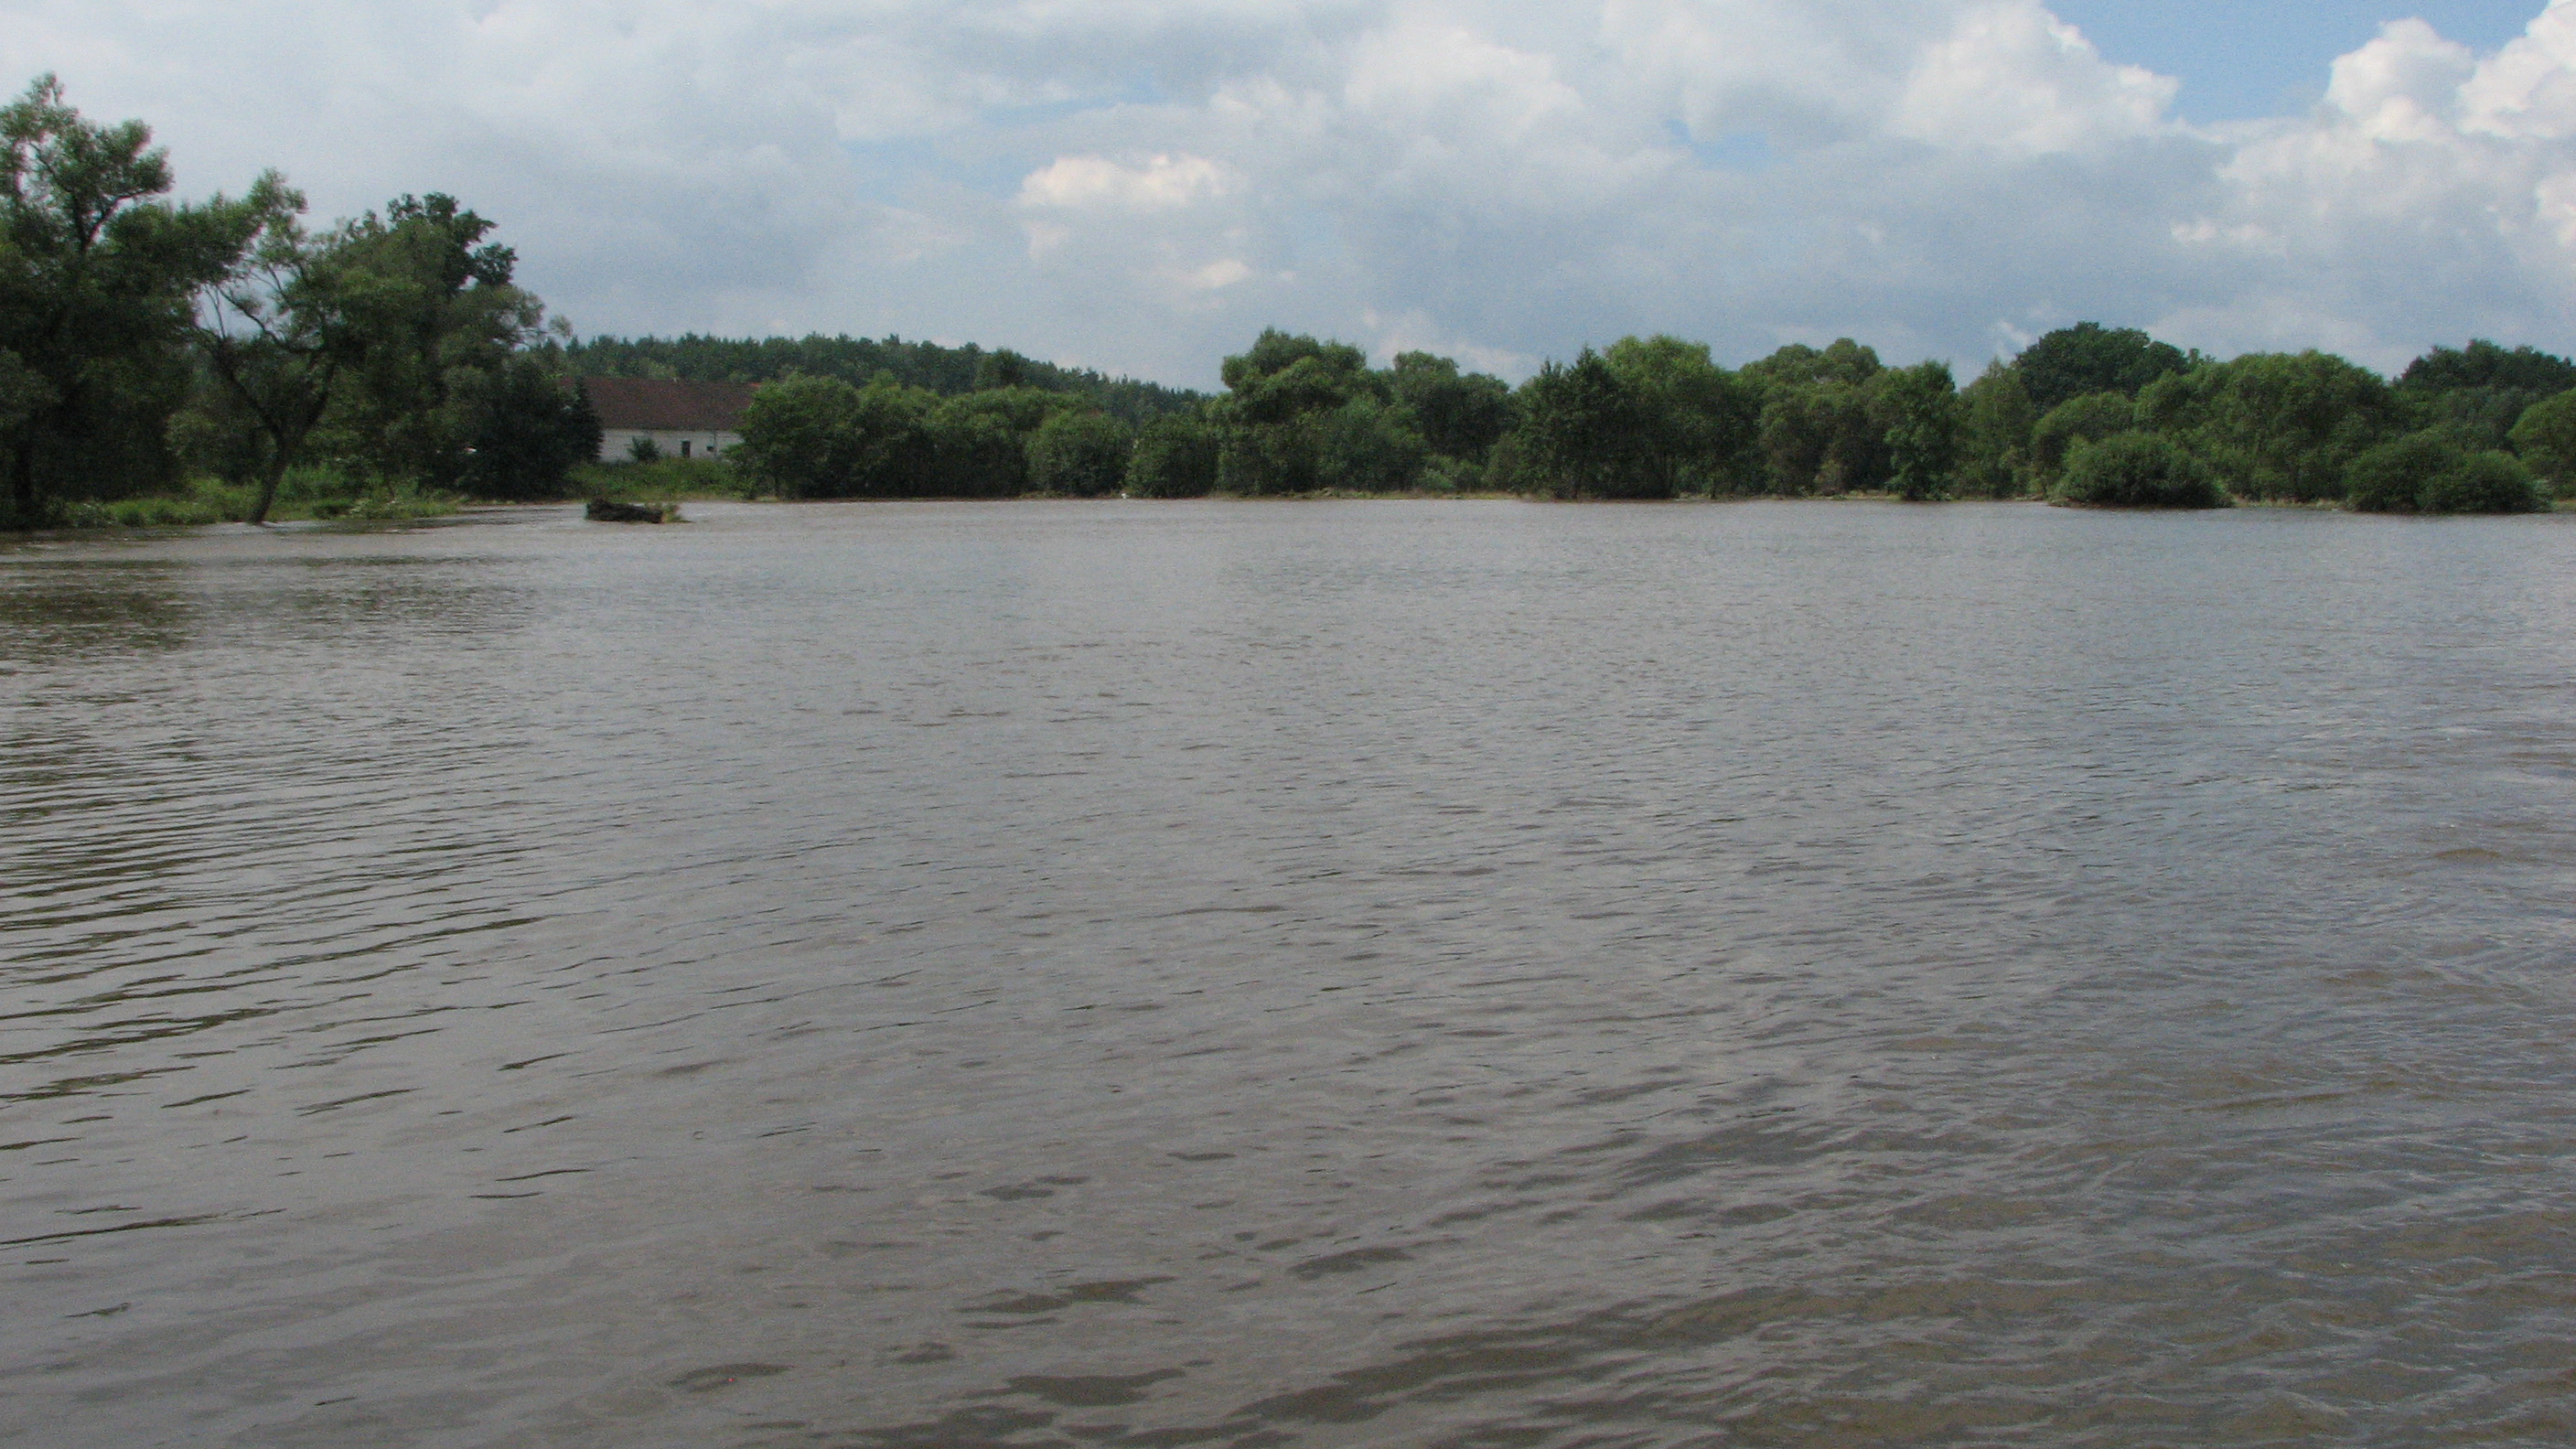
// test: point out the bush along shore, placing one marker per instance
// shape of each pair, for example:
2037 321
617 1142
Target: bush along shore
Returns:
2086 416
167 363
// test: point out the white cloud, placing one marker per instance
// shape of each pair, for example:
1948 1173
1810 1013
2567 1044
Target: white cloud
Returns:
1162 183
1146 183
2015 77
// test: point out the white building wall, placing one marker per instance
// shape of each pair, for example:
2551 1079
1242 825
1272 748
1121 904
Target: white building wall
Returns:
614 443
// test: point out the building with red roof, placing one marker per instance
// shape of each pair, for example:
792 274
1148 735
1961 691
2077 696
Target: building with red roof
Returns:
680 419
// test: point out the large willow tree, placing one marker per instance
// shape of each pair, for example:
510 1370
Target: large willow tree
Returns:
99 275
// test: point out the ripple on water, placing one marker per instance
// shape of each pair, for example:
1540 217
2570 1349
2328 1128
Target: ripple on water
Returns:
1222 974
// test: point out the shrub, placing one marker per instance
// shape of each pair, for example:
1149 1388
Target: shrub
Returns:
2429 472
817 437
668 478
1368 446
2546 439
1174 458
1447 475
2086 419
1082 454
2137 470
2391 477
2481 483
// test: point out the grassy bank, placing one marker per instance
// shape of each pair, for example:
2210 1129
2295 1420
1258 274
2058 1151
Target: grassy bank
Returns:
305 494
662 481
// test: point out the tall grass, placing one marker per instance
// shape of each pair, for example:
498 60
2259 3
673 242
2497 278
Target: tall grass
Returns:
664 478
304 493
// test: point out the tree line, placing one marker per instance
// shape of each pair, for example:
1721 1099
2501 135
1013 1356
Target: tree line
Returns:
145 342
946 371
2085 415
149 346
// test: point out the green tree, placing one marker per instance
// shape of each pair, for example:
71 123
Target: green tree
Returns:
2390 478
2275 425
1461 415
1586 434
531 428
1799 423
975 454
2545 437
1369 445
1823 437
1818 430
800 437
1845 361
1275 353
432 306
98 283
1996 419
1921 407
1701 423
1175 457
2137 470
276 344
2086 419
2481 482
2089 357
2480 391
1081 454
1277 417
980 440
1266 459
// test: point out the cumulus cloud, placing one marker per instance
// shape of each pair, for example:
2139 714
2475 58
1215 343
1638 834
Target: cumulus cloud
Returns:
1163 183
1141 185
2015 77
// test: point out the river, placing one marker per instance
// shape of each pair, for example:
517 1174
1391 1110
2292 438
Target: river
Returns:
1258 975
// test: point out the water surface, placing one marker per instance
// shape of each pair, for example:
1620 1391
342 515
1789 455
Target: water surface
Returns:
1306 975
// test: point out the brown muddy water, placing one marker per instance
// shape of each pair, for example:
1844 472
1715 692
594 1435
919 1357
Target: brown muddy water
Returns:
923 977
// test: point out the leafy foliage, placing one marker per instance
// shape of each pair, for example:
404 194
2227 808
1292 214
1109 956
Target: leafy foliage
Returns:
2482 482
2277 426
1586 433
2481 391
530 431
2137 470
1700 422
1461 414
2433 472
1921 406
2545 437
1996 420
2391 477
2086 419
1080 455
1174 458
946 371
2090 358
98 281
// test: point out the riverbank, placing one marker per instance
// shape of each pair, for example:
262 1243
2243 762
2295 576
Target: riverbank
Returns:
208 503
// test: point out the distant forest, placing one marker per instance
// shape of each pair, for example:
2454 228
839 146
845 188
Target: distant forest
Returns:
946 371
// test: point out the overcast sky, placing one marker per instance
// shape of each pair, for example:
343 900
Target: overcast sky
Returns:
1141 186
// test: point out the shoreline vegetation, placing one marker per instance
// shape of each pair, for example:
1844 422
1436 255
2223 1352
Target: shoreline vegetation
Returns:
168 364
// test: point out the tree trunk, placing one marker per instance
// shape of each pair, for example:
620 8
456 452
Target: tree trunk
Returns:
272 475
23 509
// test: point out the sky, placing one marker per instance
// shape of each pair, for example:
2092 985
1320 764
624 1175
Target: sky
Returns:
1142 185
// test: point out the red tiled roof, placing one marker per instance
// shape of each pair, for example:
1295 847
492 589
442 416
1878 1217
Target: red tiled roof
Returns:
653 404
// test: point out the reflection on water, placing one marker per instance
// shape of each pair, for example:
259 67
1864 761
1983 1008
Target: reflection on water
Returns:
1134 975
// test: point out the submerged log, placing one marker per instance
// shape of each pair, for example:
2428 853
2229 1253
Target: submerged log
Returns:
602 510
